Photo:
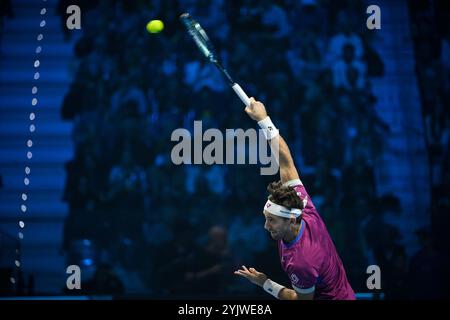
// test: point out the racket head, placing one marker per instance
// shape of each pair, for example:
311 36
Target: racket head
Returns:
200 37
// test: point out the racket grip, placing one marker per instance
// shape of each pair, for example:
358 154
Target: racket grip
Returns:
241 94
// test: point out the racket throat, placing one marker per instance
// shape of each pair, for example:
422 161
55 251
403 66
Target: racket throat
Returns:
224 72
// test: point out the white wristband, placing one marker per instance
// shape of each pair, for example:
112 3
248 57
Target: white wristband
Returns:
269 129
272 287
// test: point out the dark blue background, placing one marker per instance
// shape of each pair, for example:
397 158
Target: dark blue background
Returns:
365 113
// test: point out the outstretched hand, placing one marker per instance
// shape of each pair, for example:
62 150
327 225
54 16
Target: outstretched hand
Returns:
256 110
252 275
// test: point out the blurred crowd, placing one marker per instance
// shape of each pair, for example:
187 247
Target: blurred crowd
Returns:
431 34
184 229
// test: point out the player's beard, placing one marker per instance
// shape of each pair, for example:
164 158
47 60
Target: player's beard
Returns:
275 235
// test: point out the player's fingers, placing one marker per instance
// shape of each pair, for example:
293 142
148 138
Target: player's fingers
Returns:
247 109
253 103
245 268
252 272
241 273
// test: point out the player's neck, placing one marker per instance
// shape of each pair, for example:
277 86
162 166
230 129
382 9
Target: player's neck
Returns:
295 229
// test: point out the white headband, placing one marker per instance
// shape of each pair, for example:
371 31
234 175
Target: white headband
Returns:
281 211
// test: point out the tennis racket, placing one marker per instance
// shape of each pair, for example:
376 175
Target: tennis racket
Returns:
205 46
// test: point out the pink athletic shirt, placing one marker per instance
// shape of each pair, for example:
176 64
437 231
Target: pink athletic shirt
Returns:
311 260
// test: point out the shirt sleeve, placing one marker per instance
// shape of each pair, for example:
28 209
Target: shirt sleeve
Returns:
304 279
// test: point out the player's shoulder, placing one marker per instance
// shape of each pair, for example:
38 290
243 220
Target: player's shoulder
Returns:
297 185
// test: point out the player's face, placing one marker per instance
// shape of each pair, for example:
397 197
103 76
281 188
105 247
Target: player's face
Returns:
277 226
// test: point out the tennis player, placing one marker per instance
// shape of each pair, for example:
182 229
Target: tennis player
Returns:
307 253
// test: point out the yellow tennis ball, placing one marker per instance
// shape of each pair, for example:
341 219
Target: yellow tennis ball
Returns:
155 26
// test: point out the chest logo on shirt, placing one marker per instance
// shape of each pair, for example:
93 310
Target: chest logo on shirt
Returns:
294 278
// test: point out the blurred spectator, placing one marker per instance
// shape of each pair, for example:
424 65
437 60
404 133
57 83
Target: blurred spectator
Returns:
345 37
427 270
104 282
349 73
210 265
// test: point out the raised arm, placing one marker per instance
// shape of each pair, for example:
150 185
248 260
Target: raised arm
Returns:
257 111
